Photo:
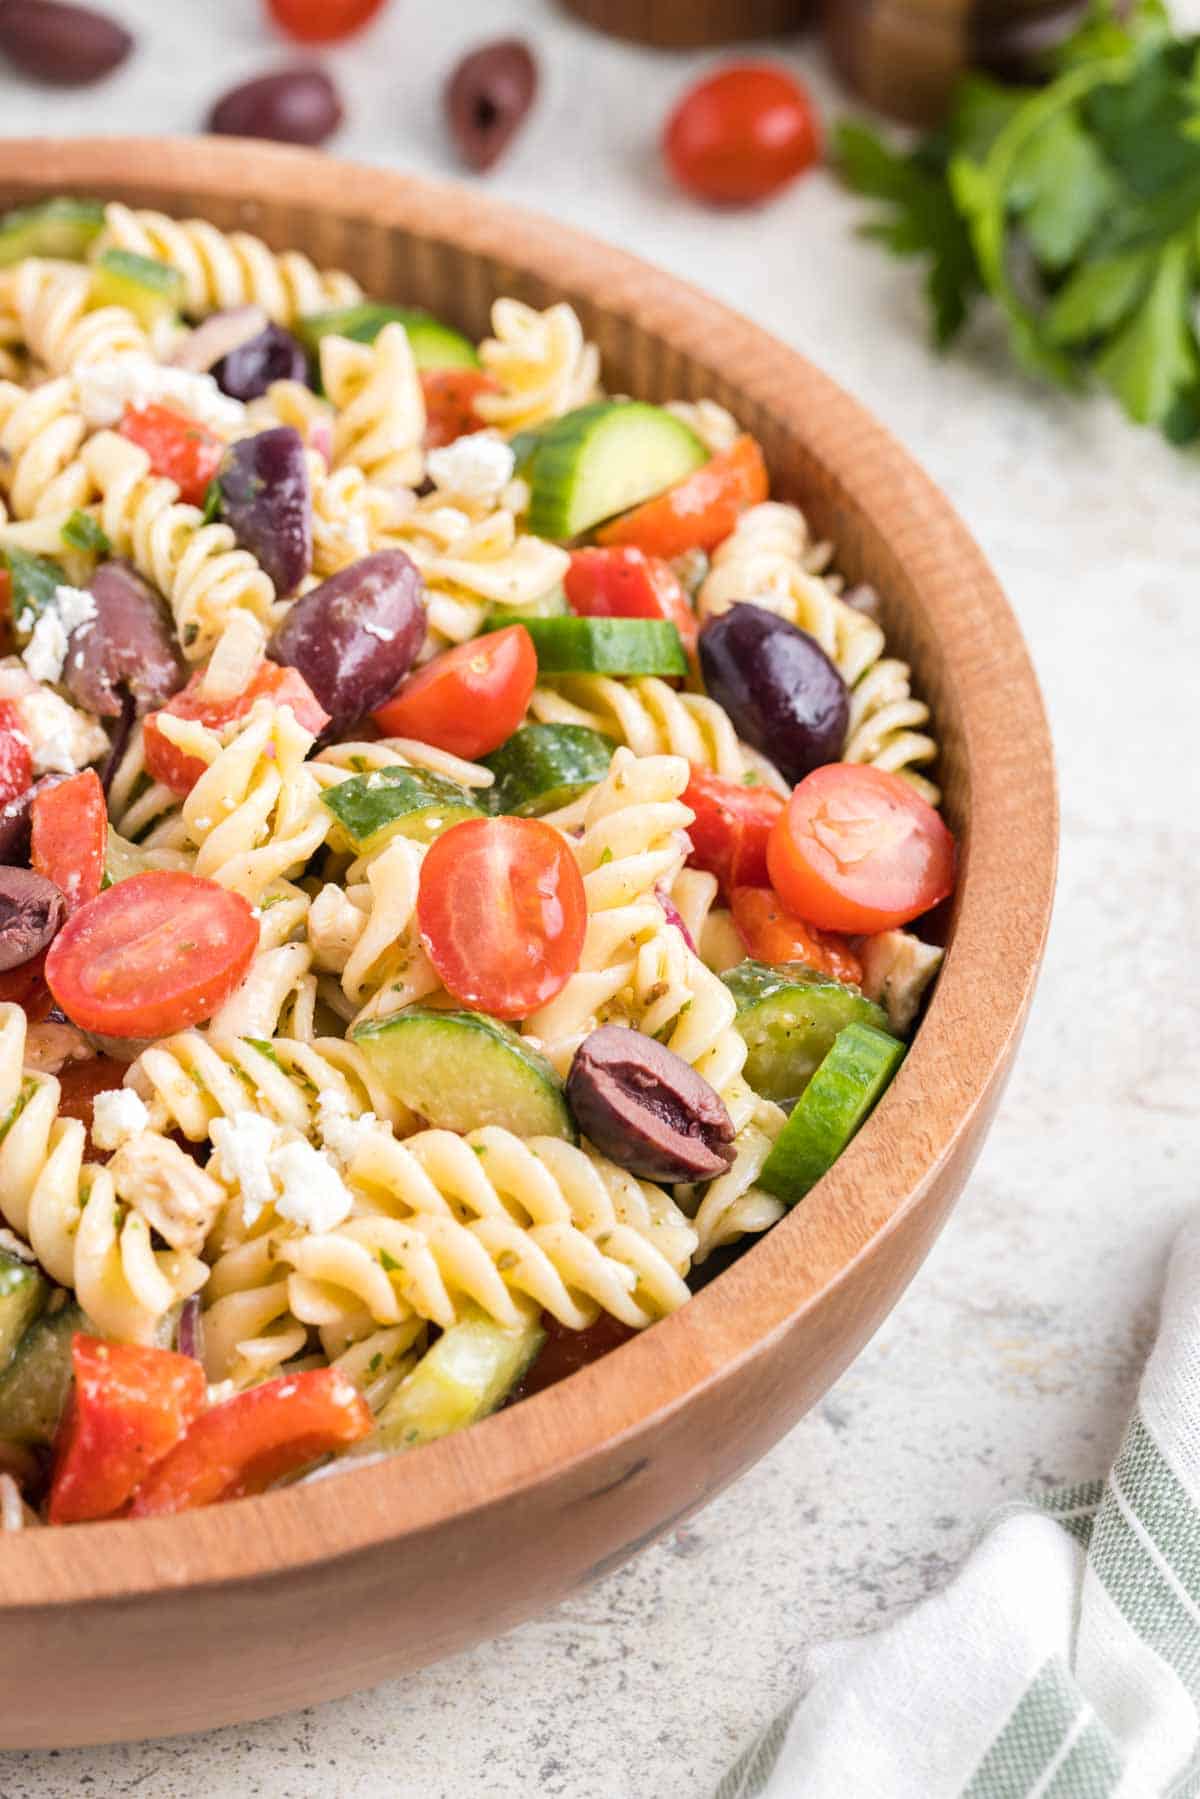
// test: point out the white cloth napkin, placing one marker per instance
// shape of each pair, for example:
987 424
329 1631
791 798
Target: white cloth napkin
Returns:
1062 1662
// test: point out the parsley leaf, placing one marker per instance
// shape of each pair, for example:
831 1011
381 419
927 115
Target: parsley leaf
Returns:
35 579
82 532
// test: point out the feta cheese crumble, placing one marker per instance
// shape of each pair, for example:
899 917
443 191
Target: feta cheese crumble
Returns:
477 467
312 1192
61 738
105 389
242 1147
117 1116
46 652
341 1132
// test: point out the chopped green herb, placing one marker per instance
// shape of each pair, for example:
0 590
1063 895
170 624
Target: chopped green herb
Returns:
35 580
82 532
389 1263
750 778
606 855
375 1363
212 501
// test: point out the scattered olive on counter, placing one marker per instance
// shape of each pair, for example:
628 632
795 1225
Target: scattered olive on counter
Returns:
67 46
32 912
272 354
356 636
295 106
647 1109
129 647
487 98
267 502
781 691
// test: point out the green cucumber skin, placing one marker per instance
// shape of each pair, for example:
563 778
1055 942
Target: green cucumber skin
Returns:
543 767
63 229
462 1070
789 1016
469 1372
576 481
434 345
607 646
150 290
24 1291
551 604
34 1386
833 1107
400 802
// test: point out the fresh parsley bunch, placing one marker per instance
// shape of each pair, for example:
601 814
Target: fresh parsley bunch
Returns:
1075 206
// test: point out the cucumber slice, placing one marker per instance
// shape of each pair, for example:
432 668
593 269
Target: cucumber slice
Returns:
832 1107
607 646
461 1070
34 1386
24 1290
603 459
151 290
789 1017
469 1372
397 802
61 228
543 767
434 345
551 604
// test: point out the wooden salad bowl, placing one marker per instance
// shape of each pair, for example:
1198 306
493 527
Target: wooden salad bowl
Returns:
130 1630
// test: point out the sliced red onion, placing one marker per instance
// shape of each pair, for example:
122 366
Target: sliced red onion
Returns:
191 1331
203 348
320 439
674 917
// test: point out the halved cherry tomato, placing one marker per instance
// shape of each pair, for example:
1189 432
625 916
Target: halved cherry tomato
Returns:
254 1439
129 1407
151 955
322 21
450 396
282 686
180 448
742 134
700 511
773 935
26 987
79 1083
565 1351
624 582
503 912
730 831
469 699
69 836
16 761
858 850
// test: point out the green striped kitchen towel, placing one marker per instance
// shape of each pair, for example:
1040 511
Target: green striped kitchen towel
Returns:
1062 1662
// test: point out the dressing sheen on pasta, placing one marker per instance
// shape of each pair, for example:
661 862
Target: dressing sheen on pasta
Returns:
296 1090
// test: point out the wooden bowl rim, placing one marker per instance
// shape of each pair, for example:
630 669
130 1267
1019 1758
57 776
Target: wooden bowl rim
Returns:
976 1013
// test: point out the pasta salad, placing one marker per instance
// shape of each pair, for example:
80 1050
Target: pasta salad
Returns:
457 834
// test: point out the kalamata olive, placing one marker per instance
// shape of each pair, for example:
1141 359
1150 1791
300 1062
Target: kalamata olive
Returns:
782 692
266 499
250 367
647 1109
15 821
297 106
356 636
68 46
487 98
32 910
217 335
129 645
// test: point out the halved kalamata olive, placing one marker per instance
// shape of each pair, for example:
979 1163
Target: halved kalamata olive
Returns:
66 45
32 911
296 106
218 336
647 1109
15 822
783 694
487 98
272 354
356 636
266 499
129 647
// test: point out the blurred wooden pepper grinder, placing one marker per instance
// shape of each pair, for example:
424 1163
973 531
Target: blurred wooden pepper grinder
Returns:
901 55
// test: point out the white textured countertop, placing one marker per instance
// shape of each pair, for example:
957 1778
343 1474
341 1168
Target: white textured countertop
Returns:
1012 1360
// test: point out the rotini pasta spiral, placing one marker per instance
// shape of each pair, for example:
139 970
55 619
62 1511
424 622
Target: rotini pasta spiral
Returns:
886 726
41 431
366 933
83 1233
716 428
53 303
542 361
378 406
227 268
492 1219
647 715
198 567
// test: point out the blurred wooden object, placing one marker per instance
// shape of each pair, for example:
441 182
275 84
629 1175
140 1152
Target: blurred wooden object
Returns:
691 24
